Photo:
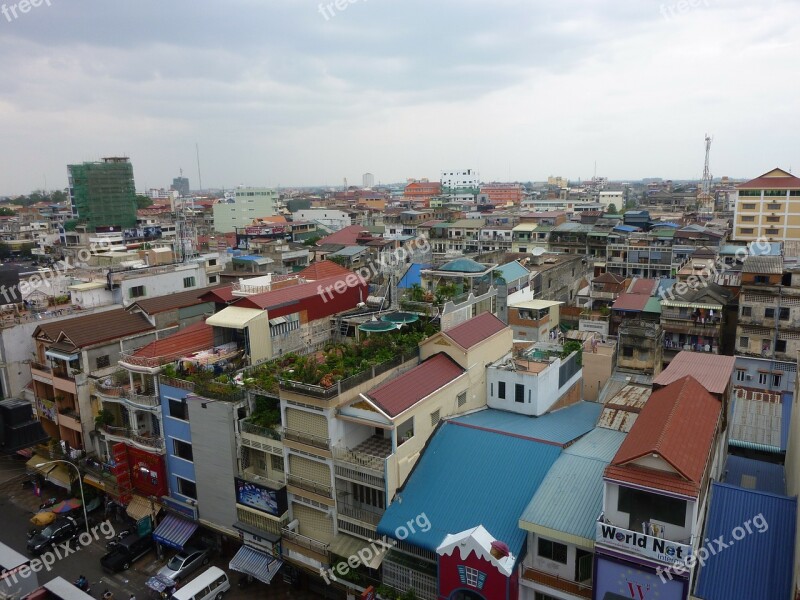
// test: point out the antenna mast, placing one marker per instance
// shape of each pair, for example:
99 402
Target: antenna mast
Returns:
706 187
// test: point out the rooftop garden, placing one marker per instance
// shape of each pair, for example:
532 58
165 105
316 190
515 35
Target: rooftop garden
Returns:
338 361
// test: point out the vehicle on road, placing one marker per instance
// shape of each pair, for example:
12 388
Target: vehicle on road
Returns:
184 563
60 530
128 551
211 584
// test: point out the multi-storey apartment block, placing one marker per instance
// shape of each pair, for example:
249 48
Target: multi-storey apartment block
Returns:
768 208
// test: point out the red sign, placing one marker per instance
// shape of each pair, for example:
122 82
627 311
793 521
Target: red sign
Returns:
368 594
265 230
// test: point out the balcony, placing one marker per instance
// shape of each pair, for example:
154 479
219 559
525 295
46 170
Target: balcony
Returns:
143 440
371 518
254 475
42 373
584 590
308 439
70 419
318 549
320 489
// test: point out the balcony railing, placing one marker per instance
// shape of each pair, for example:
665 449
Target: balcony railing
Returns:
265 432
314 487
255 475
359 514
359 459
308 439
584 590
41 367
149 441
305 542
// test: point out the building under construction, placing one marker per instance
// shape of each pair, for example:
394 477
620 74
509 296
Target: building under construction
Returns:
103 193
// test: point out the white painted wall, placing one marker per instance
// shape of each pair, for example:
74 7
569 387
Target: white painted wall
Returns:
331 218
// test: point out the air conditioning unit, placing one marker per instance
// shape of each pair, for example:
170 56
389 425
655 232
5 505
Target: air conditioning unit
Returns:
748 377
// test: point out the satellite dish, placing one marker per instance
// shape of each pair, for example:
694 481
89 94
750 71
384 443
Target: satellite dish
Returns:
538 251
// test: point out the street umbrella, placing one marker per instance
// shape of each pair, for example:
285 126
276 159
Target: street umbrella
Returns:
43 518
65 506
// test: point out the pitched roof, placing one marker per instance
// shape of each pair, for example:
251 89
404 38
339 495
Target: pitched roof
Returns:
712 371
608 278
643 286
93 329
630 302
220 295
777 179
193 338
289 294
759 567
769 265
571 495
346 236
397 395
512 271
488 464
701 295
159 304
678 423
472 332
321 270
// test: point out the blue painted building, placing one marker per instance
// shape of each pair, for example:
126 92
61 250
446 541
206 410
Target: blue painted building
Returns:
177 435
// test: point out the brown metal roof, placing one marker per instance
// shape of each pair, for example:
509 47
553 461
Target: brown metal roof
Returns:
477 329
401 393
96 328
160 304
711 370
777 179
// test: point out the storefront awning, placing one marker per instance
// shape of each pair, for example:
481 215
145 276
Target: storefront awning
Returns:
344 546
257 564
60 476
56 473
140 507
174 532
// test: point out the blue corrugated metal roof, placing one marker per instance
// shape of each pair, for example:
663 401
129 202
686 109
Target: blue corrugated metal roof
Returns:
570 498
767 477
559 427
412 276
759 565
468 477
512 271
627 228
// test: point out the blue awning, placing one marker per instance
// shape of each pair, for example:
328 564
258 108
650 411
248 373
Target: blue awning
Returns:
257 564
174 532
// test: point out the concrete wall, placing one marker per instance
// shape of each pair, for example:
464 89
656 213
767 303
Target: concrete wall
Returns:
161 284
597 368
175 429
213 427
751 366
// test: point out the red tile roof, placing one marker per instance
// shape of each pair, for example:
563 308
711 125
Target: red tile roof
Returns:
292 293
193 338
95 328
632 302
777 179
643 286
477 329
345 237
321 270
220 295
678 423
711 370
401 393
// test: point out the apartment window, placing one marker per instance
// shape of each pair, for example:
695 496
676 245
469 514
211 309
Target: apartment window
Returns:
182 450
501 390
101 362
749 206
627 351
783 314
746 230
369 496
462 399
769 313
747 311
748 219
741 375
762 378
276 462
137 291
780 345
212 279
744 342
188 282
519 393
773 206
178 409
776 380
771 231
761 279
436 416
552 551
773 219
212 262
187 488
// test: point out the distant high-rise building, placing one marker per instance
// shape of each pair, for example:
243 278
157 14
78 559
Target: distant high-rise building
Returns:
243 208
180 185
368 180
103 193
768 208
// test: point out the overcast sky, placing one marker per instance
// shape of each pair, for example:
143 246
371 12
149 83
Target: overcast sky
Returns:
277 93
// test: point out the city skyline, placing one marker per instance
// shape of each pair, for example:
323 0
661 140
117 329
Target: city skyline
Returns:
301 94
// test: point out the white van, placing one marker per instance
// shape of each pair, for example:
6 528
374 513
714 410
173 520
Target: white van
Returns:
209 585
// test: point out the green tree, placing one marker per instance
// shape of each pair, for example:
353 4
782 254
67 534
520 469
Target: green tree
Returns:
312 241
143 202
573 346
6 212
612 209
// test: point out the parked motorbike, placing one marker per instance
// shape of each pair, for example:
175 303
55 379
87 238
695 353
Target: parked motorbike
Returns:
83 584
48 503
